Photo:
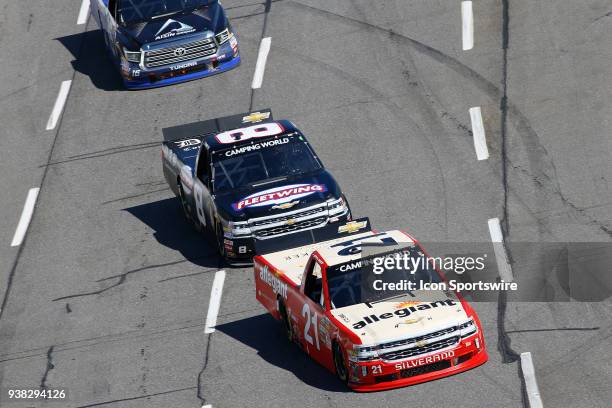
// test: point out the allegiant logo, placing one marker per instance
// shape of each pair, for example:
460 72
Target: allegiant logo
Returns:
279 195
403 312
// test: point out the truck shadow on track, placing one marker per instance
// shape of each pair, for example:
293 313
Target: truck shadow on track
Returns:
263 334
172 230
91 59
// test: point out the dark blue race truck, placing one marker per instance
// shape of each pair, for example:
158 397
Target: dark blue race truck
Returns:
248 177
160 42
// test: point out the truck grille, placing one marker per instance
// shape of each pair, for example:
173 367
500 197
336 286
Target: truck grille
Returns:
285 218
412 340
415 351
176 54
288 228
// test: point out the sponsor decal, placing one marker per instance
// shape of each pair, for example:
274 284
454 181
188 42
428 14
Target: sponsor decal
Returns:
256 117
278 287
402 305
256 146
173 28
183 66
181 144
279 195
352 226
285 206
424 360
404 312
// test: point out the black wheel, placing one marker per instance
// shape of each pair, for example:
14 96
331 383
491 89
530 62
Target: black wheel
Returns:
349 216
340 363
183 200
193 219
220 243
285 322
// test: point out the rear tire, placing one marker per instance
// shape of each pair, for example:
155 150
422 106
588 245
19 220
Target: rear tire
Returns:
285 321
186 212
183 201
340 363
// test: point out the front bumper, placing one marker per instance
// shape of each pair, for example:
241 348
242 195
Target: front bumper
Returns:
136 78
463 357
237 248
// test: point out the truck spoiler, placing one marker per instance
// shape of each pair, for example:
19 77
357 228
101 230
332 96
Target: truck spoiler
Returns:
313 236
218 125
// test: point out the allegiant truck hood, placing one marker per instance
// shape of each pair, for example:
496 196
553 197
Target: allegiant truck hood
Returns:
211 18
375 323
278 197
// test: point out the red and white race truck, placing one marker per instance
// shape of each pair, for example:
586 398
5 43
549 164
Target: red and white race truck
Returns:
341 311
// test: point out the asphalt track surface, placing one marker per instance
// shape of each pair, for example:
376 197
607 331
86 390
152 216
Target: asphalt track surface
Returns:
107 296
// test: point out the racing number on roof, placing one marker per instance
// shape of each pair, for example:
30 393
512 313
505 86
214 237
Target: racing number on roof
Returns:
251 132
310 320
353 246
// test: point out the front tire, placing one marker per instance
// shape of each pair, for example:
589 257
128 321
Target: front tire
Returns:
340 363
220 243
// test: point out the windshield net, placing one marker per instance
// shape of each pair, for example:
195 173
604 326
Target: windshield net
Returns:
256 162
132 11
357 282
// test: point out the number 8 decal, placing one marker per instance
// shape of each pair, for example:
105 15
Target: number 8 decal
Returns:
251 132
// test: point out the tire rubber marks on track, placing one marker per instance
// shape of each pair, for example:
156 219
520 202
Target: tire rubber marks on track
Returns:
467 20
215 302
83 12
480 141
260 67
26 216
56 113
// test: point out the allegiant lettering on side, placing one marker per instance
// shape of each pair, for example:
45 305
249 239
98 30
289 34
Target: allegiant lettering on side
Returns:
278 286
405 312
425 360
256 146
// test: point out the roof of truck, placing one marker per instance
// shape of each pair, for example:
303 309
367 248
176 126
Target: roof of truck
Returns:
291 262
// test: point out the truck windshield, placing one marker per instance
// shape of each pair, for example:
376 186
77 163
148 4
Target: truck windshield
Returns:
250 164
356 281
135 11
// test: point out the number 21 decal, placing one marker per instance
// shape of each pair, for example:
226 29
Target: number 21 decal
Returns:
310 320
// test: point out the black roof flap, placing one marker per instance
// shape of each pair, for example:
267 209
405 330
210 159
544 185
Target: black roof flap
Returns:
211 126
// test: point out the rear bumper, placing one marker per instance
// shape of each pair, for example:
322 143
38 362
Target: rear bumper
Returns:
163 77
464 357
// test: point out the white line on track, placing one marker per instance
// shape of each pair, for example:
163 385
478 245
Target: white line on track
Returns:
215 302
480 141
59 104
26 216
505 270
207 406
260 67
533 393
467 18
83 12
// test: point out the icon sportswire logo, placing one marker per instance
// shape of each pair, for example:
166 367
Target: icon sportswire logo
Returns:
175 28
279 195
